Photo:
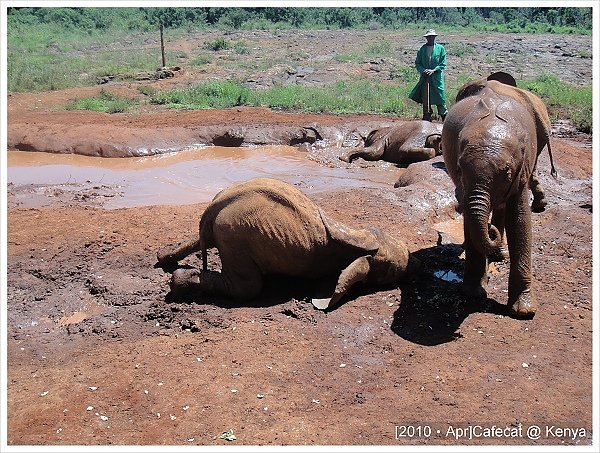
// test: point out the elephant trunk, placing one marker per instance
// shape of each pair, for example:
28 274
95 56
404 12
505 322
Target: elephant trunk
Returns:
484 236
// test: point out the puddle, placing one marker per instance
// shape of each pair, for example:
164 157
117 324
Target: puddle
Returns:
79 316
448 276
187 177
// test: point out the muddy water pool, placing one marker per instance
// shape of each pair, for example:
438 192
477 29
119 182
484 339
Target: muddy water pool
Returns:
186 177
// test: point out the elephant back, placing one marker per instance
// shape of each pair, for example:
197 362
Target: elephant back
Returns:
274 223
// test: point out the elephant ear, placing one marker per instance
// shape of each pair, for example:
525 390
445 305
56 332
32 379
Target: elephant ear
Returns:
503 77
363 240
357 271
375 135
434 141
470 89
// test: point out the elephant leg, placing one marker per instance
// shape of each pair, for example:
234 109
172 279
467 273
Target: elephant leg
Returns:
373 152
498 220
539 197
475 279
409 155
518 218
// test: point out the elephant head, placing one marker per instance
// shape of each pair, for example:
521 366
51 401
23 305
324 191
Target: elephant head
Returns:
386 260
434 141
504 84
494 157
486 180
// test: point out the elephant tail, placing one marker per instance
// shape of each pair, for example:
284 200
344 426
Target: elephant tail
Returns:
553 171
172 255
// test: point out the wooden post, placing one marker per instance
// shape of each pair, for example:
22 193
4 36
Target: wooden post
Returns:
162 46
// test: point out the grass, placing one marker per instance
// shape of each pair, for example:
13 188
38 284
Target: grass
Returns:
564 100
460 49
352 96
201 60
50 57
380 49
214 94
106 102
217 45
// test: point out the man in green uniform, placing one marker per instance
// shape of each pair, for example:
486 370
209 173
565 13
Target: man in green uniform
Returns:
431 62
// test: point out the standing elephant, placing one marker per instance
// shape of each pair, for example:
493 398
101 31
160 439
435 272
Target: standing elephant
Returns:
490 151
265 226
504 84
402 143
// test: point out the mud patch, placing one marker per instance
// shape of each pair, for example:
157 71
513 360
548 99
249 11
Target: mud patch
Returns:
193 176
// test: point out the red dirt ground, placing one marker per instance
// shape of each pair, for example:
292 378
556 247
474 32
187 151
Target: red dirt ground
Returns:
97 357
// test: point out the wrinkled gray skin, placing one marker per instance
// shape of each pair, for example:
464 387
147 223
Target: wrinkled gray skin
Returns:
490 151
265 226
403 143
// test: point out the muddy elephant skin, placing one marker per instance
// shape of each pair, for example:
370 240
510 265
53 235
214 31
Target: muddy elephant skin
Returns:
403 143
504 84
265 226
490 151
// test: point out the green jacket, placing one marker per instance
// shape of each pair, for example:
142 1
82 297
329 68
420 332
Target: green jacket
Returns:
437 95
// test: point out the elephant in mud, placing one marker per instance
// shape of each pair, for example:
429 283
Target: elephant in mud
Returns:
490 143
504 84
265 226
402 143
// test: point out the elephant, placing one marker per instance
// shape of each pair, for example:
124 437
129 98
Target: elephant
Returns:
403 143
490 143
266 226
504 84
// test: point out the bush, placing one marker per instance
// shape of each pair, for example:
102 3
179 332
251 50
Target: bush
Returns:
106 102
218 44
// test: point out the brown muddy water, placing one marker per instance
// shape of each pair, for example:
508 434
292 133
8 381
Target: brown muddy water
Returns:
186 177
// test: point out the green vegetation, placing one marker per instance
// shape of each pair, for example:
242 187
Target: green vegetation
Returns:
56 48
564 100
106 102
214 94
460 49
201 60
537 19
356 96
361 96
218 44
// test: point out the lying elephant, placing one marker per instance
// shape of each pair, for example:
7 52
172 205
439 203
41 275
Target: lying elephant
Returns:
403 143
265 226
490 143
504 84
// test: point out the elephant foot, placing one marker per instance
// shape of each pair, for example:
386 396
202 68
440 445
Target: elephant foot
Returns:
474 291
184 281
523 306
499 255
539 205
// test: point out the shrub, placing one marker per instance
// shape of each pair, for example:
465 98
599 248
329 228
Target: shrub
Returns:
218 44
106 102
